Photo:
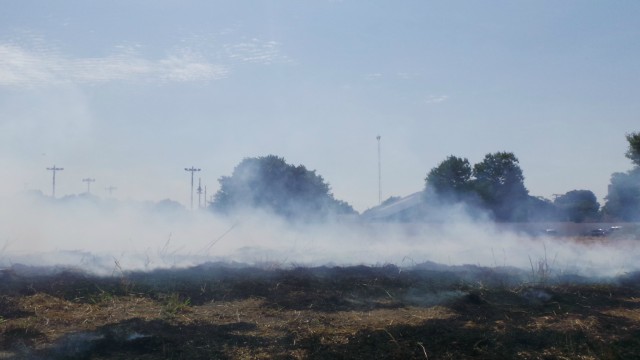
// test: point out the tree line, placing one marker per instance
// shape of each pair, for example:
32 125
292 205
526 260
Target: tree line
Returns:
495 185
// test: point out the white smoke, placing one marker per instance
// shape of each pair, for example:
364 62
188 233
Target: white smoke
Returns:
105 237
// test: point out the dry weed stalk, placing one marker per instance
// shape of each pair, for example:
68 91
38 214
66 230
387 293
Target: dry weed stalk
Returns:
125 284
541 272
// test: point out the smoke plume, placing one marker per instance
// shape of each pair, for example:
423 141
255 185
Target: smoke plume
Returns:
105 237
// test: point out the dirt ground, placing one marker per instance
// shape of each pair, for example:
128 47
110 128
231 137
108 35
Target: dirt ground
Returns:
218 311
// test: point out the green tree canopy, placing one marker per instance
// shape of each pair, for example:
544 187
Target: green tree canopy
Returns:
500 184
577 206
633 153
495 184
269 183
451 179
623 198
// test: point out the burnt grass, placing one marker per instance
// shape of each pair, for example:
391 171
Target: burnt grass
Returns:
224 311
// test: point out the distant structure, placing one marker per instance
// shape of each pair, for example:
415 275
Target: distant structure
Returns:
403 209
191 170
110 189
88 181
54 169
379 173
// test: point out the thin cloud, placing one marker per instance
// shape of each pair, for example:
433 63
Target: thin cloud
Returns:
20 66
256 51
408 76
436 99
42 65
373 76
190 67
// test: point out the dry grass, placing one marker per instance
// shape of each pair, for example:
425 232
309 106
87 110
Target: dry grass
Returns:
315 313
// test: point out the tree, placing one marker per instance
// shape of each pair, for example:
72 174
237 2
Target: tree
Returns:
451 179
269 183
539 208
577 205
633 153
623 198
500 184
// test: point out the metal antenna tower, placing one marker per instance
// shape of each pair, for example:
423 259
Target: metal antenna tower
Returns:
199 192
379 173
192 170
88 181
110 189
54 169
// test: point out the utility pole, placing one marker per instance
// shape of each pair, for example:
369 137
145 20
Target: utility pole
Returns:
110 189
88 181
379 174
54 169
199 191
192 170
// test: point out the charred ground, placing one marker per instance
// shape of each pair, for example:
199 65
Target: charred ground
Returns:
427 311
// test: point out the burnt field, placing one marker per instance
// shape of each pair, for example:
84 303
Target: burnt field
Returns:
220 311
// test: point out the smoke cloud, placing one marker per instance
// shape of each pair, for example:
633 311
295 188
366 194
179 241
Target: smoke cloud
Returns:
106 237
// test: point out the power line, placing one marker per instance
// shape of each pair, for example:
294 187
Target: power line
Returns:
54 169
88 181
199 192
192 170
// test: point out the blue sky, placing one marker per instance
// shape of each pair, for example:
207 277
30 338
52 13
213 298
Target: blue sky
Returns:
132 92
